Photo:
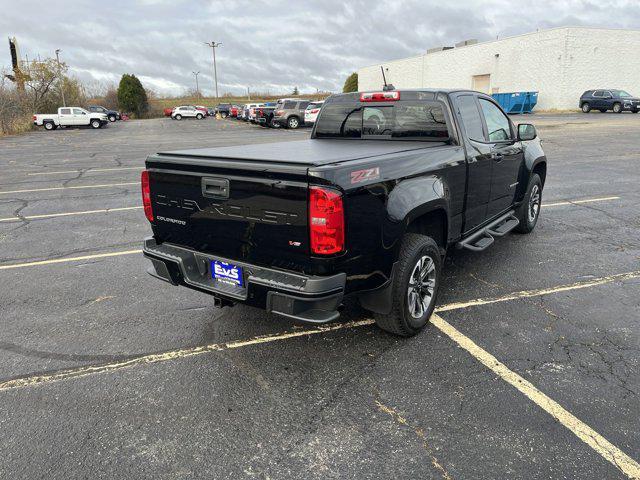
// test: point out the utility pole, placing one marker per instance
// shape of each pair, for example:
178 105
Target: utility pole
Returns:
197 87
213 46
64 103
248 94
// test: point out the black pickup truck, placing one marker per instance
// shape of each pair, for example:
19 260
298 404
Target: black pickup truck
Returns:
366 207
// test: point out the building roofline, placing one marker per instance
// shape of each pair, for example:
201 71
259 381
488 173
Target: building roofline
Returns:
567 27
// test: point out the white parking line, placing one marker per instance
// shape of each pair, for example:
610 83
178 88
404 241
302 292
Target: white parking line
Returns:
66 214
106 185
68 259
584 432
88 170
578 202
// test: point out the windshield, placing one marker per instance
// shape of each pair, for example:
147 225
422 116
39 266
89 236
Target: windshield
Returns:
418 120
620 93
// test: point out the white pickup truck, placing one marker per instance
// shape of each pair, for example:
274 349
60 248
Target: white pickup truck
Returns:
70 117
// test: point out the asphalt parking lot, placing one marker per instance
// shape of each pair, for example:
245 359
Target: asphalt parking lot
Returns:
531 368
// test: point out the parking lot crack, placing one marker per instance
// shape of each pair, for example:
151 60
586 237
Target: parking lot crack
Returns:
418 431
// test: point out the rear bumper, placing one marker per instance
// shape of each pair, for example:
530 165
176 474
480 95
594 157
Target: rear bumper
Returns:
301 297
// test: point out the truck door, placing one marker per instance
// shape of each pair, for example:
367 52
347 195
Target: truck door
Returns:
80 117
506 156
478 160
65 115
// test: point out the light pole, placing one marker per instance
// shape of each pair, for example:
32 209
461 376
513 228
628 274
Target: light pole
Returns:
64 103
197 87
213 46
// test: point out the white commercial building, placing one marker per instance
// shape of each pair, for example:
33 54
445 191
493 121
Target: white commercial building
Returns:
559 63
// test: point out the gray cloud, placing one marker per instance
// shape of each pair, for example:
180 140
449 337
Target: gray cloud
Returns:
271 45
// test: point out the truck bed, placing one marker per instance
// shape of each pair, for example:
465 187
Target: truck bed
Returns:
303 152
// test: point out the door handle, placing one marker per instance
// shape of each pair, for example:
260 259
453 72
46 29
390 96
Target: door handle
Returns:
215 187
498 157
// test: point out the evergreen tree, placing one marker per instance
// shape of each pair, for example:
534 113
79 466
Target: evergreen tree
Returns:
351 83
132 96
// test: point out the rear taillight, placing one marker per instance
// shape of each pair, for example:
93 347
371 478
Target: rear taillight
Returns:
380 97
34 117
315 110
326 221
146 195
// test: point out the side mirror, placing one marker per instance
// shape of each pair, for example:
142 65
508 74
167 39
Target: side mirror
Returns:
526 131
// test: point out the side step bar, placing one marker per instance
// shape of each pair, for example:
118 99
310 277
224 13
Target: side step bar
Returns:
484 237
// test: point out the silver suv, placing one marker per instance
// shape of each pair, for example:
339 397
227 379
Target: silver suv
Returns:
289 112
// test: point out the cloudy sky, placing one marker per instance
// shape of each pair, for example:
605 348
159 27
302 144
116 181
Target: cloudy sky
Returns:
271 45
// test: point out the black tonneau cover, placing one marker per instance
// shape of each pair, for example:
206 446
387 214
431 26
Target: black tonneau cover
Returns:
312 152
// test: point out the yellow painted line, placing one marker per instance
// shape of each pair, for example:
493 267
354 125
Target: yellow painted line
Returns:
106 185
578 202
66 214
539 292
68 259
89 170
584 432
172 355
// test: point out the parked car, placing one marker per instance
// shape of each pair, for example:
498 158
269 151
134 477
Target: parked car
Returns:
264 116
186 111
70 117
203 109
290 113
233 111
223 109
312 111
112 115
246 110
603 100
168 111
252 112
367 207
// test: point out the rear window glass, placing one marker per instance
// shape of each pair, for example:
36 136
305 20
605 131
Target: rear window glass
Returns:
289 105
401 120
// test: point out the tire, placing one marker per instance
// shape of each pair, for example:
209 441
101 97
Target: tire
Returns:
224 114
529 212
617 108
178 117
293 122
95 124
199 116
49 126
635 111
586 108
112 118
407 317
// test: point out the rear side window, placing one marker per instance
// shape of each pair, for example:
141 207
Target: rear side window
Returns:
402 120
598 93
471 117
497 122
303 105
65 111
289 105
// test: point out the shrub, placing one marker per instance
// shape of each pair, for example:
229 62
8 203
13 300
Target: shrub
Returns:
132 96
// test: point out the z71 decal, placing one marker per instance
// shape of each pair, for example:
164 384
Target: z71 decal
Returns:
360 176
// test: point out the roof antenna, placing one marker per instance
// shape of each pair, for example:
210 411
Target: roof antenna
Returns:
387 87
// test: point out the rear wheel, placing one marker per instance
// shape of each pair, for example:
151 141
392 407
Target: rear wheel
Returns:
586 108
95 124
529 212
635 111
199 116
617 108
112 118
293 122
49 125
415 286
178 117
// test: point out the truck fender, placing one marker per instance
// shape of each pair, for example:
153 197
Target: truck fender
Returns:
415 197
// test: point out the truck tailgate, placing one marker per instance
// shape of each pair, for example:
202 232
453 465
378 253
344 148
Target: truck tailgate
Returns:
232 209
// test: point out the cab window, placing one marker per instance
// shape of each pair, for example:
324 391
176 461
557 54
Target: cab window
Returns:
498 125
471 117
65 111
77 111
